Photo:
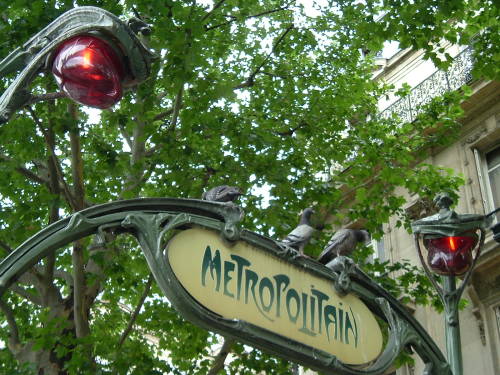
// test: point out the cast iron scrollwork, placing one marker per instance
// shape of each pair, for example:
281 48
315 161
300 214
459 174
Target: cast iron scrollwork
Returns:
438 83
287 252
344 267
153 221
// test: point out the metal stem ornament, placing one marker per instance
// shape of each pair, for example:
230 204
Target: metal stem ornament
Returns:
453 244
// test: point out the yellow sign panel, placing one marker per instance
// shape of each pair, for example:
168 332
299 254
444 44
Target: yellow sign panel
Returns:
246 283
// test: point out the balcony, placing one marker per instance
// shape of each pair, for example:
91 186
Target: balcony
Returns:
458 74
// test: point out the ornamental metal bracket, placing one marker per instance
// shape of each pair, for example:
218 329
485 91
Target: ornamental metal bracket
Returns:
35 55
345 267
287 251
244 285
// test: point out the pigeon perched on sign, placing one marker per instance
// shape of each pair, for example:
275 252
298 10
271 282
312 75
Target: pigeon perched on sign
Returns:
343 242
300 236
222 193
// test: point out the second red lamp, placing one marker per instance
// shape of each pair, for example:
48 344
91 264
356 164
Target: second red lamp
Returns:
451 255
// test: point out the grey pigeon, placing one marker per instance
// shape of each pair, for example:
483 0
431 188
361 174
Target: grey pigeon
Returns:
222 193
343 242
300 236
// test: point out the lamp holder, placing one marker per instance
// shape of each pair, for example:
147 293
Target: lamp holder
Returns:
447 223
447 299
36 54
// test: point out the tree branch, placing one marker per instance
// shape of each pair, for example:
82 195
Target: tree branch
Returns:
174 113
50 96
26 294
218 363
50 262
137 309
151 151
6 247
58 273
162 115
47 291
133 179
176 109
51 148
80 315
54 189
24 171
251 78
80 308
76 162
266 12
31 278
290 132
209 172
138 181
125 136
101 243
11 321
216 6
66 276
347 195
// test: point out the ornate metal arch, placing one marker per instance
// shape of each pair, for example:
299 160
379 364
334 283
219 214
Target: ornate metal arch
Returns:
150 219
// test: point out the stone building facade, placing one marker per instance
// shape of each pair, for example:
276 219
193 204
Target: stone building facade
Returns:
476 157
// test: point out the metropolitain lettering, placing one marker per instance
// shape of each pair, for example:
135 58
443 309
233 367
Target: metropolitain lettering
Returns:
312 312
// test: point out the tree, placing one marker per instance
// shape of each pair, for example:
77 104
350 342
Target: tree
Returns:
249 93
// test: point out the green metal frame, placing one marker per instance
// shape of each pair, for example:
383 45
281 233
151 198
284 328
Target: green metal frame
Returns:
150 220
36 54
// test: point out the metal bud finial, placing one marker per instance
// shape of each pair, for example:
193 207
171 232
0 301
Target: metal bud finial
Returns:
443 201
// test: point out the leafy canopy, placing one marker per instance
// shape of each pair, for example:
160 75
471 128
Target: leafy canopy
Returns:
254 93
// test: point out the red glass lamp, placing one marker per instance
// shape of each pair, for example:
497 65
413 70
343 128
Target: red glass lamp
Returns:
89 71
453 241
451 255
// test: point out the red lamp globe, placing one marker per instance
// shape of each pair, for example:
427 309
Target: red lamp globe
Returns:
89 71
451 255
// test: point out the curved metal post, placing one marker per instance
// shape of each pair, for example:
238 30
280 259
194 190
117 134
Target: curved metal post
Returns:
452 328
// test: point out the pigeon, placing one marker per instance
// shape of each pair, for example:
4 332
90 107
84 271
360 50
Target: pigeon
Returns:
343 242
222 193
300 236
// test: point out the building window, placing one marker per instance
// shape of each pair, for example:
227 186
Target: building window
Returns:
493 165
497 315
489 178
378 249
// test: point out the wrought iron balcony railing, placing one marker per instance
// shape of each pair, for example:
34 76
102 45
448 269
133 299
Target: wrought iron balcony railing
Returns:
458 74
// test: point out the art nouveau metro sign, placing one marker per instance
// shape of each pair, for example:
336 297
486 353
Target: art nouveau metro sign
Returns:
250 287
245 283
